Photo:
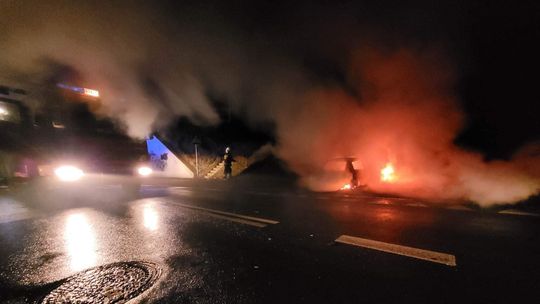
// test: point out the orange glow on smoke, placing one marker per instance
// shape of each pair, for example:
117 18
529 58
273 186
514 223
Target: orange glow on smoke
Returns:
388 174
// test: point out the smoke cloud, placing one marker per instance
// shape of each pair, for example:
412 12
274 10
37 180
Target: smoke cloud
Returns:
405 115
152 65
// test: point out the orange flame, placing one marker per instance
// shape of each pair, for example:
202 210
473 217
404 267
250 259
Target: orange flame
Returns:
346 187
388 174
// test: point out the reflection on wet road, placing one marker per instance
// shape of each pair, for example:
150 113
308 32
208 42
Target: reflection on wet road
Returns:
150 216
225 246
80 241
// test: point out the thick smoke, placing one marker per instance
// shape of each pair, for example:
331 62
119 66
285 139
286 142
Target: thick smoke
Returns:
152 66
147 71
405 115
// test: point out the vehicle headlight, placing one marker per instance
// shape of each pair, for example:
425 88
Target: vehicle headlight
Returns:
144 171
68 173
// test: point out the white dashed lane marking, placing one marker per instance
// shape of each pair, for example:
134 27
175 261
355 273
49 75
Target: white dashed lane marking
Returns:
517 212
237 218
422 254
11 211
416 205
459 208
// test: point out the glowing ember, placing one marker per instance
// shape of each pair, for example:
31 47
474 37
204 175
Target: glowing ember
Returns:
388 173
346 187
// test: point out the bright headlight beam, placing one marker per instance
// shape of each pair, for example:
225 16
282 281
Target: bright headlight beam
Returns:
68 173
90 92
144 171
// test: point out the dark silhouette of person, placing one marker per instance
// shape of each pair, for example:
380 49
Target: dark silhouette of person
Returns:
228 160
354 173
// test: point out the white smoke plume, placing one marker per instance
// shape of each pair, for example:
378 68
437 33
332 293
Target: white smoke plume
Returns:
152 66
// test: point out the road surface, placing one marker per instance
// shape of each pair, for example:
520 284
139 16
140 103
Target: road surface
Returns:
231 243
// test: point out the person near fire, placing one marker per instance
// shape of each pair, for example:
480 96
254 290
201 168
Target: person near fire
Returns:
354 173
228 160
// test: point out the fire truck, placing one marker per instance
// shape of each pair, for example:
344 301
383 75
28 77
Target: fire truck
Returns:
57 143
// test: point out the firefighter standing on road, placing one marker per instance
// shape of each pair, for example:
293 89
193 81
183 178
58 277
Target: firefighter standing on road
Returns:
228 160
354 173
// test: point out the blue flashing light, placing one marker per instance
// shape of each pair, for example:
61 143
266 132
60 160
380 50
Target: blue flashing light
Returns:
155 146
83 91
71 88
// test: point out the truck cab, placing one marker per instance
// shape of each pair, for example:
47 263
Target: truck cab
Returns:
63 145
15 125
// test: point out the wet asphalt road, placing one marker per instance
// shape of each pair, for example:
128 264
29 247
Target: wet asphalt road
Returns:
207 256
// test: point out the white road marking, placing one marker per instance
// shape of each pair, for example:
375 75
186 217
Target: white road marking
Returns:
4 219
517 212
107 187
324 198
236 220
11 211
416 205
422 254
459 208
180 191
149 186
239 218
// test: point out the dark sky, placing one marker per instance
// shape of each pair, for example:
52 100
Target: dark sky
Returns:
492 45
165 59
500 77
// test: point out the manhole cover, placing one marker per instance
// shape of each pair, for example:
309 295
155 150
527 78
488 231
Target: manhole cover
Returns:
112 283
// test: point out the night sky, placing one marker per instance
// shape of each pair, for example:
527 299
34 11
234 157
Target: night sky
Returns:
492 46
212 54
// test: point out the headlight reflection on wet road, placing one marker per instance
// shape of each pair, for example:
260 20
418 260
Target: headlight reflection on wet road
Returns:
150 217
80 242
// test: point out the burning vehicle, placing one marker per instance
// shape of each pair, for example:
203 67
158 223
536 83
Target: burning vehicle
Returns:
338 174
64 148
348 174
388 175
349 167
